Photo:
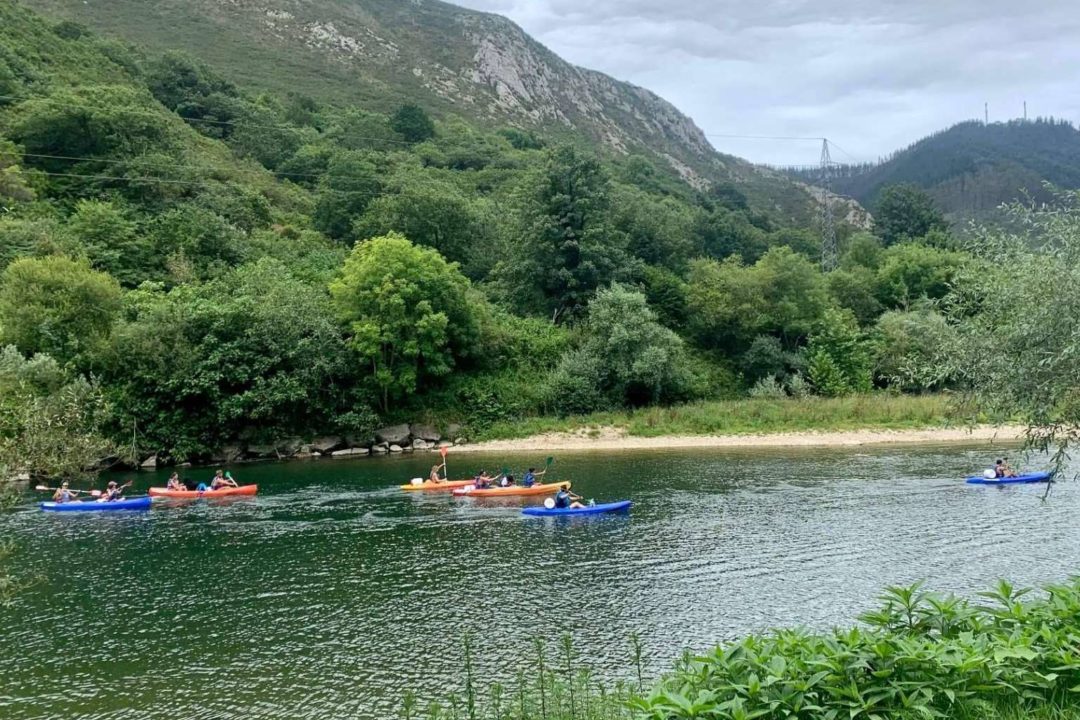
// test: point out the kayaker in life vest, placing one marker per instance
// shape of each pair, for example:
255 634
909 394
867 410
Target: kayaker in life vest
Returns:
434 476
174 482
507 481
531 476
112 493
1007 469
222 481
63 494
482 481
565 499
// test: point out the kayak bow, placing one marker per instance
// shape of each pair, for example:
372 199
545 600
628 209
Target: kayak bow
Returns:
428 486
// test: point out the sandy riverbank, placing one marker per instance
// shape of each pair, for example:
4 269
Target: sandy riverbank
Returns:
615 439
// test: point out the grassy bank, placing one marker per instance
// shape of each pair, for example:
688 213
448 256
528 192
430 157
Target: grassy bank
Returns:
920 655
882 411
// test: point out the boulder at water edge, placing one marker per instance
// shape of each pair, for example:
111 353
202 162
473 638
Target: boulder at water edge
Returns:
426 432
393 435
350 452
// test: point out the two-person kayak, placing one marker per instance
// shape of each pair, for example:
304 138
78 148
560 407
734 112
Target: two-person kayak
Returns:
510 490
1036 477
140 503
196 494
597 509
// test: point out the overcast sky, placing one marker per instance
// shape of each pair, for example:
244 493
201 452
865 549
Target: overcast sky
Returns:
871 75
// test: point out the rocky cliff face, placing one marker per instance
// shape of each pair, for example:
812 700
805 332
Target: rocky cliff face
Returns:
382 52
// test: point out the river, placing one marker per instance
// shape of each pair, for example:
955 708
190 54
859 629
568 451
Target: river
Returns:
332 592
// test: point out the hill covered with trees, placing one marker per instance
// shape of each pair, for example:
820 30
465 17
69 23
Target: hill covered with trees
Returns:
973 168
196 264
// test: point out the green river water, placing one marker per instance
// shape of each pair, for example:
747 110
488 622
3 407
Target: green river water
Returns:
332 592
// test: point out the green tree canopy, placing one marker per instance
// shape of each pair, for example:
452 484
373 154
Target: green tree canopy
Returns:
568 246
412 123
906 212
254 353
57 306
627 358
411 313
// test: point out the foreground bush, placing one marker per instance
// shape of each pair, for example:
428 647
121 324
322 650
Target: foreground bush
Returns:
922 655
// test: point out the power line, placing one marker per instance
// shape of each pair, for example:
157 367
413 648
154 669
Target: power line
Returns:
762 137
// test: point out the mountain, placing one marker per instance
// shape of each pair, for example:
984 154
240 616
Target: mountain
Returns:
379 53
972 168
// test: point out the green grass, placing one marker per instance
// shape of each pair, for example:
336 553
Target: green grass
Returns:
879 411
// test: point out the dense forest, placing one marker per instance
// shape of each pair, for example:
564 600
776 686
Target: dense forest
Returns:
972 168
187 264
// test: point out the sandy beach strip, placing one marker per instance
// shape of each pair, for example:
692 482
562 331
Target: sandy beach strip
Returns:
609 438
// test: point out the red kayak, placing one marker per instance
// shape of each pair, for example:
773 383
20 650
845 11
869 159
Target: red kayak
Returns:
195 494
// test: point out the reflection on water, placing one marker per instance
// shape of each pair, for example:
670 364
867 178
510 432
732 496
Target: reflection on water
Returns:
332 591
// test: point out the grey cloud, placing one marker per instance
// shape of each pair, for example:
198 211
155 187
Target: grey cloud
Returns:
871 74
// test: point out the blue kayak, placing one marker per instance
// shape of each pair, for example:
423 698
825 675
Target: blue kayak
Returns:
621 506
142 503
1029 478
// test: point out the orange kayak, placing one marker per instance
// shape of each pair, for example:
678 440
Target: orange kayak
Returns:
512 491
428 486
195 494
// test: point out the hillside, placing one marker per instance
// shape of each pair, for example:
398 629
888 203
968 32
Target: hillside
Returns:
972 168
379 53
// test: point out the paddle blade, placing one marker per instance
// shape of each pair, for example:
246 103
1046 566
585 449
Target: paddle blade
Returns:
42 488
443 450
548 462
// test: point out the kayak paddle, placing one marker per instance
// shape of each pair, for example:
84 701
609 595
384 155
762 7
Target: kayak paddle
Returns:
446 472
93 493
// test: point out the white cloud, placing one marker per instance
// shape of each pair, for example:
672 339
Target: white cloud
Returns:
872 75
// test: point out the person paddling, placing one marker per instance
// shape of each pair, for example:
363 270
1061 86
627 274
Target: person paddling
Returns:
174 482
1007 469
565 499
434 477
113 492
63 494
531 476
222 481
482 481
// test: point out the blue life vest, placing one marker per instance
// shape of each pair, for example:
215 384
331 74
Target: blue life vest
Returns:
562 499
528 480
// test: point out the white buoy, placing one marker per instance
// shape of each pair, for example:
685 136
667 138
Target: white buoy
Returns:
550 503
989 474
417 481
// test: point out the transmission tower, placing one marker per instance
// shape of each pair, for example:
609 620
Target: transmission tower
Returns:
829 253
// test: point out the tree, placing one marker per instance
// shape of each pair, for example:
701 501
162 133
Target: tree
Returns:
409 312
15 182
627 357
412 123
569 247
906 212
1016 348
109 238
350 184
725 304
57 306
912 271
434 214
856 289
51 422
254 351
838 356
906 346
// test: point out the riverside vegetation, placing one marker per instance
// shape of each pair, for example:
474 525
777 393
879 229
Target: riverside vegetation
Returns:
187 265
920 655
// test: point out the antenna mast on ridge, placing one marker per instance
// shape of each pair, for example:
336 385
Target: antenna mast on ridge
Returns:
829 252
